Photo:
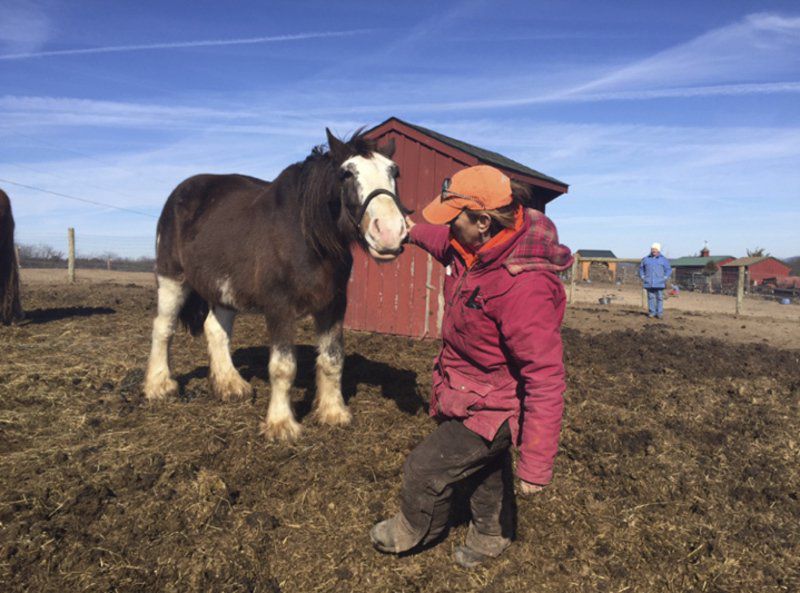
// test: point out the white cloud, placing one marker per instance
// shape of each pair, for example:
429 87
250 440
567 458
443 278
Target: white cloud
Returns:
182 44
24 27
758 48
758 55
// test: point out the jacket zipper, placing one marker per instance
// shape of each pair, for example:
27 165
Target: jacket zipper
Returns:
461 280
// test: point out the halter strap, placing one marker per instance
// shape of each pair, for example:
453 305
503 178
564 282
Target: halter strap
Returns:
374 194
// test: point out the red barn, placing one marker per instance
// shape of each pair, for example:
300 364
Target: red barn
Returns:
757 269
404 297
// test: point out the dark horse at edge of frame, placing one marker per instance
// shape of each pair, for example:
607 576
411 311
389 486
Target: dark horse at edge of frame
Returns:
10 307
230 243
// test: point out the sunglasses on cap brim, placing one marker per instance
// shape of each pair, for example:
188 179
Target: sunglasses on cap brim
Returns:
451 195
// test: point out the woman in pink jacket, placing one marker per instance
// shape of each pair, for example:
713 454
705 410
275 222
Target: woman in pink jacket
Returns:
499 378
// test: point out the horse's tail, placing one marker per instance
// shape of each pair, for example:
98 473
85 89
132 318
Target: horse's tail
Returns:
195 309
193 313
10 308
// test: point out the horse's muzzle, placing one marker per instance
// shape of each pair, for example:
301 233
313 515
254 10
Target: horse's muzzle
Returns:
385 255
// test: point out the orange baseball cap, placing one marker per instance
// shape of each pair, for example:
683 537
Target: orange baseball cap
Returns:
475 188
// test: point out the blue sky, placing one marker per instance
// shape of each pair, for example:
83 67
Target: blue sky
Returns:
677 122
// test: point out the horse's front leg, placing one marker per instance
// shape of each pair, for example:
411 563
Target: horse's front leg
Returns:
329 403
280 425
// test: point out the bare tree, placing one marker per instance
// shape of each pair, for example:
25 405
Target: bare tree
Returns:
40 252
757 252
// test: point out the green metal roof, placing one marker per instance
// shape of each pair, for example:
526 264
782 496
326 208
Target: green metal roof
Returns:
484 155
691 262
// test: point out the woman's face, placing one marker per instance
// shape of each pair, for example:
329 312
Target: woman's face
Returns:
468 233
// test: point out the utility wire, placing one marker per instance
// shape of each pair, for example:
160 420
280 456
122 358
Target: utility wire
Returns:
61 177
60 195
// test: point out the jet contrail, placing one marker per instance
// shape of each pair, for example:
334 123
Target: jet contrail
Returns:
183 44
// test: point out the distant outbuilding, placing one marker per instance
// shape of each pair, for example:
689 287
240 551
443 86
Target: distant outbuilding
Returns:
757 269
697 271
586 266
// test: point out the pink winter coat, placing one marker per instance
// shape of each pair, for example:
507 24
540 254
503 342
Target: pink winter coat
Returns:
501 356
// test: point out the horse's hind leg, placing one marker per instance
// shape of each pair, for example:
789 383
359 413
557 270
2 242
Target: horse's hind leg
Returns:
280 423
225 379
172 295
329 403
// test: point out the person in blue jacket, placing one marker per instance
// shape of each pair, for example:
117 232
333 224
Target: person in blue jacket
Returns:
655 272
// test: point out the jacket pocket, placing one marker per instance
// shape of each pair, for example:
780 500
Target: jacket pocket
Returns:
457 393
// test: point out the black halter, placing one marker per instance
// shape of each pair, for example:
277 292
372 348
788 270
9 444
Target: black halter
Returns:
374 194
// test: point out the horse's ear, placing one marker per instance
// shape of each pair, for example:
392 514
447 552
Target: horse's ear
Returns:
337 147
387 149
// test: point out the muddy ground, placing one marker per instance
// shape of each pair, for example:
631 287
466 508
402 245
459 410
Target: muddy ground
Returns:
678 468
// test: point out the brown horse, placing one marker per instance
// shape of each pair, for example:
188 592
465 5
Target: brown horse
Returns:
10 308
229 243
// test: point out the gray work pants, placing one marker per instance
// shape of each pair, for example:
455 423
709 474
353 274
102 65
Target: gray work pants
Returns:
450 454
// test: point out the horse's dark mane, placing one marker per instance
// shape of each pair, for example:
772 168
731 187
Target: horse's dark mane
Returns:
360 144
323 215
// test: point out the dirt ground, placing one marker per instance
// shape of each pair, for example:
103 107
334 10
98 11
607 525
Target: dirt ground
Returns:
678 468
39 276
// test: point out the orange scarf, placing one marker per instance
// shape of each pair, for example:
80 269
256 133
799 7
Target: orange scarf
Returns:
471 257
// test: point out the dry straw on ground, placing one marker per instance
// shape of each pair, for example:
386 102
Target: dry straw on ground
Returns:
678 468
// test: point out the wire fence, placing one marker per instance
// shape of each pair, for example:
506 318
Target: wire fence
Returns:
89 251
736 282
88 246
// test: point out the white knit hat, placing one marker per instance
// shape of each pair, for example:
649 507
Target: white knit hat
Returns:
656 246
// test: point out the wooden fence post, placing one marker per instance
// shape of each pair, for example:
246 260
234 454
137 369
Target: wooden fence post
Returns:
71 256
573 273
19 259
740 290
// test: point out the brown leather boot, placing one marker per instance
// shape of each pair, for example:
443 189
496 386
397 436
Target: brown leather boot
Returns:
394 535
479 548
468 558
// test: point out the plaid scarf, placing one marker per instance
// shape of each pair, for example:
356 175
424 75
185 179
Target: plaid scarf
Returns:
539 249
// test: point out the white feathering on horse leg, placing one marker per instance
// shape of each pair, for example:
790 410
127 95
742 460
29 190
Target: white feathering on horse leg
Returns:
225 379
280 423
330 406
171 295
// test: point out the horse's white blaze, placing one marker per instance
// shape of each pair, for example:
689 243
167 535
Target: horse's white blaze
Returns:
280 423
331 408
226 293
227 381
171 296
385 224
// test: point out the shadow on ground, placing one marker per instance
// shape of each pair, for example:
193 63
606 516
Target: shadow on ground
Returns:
37 316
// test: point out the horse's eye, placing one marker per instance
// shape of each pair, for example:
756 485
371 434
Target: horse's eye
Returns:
344 174
395 172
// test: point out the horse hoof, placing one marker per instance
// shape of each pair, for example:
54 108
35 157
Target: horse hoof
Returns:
159 388
339 416
233 389
286 430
